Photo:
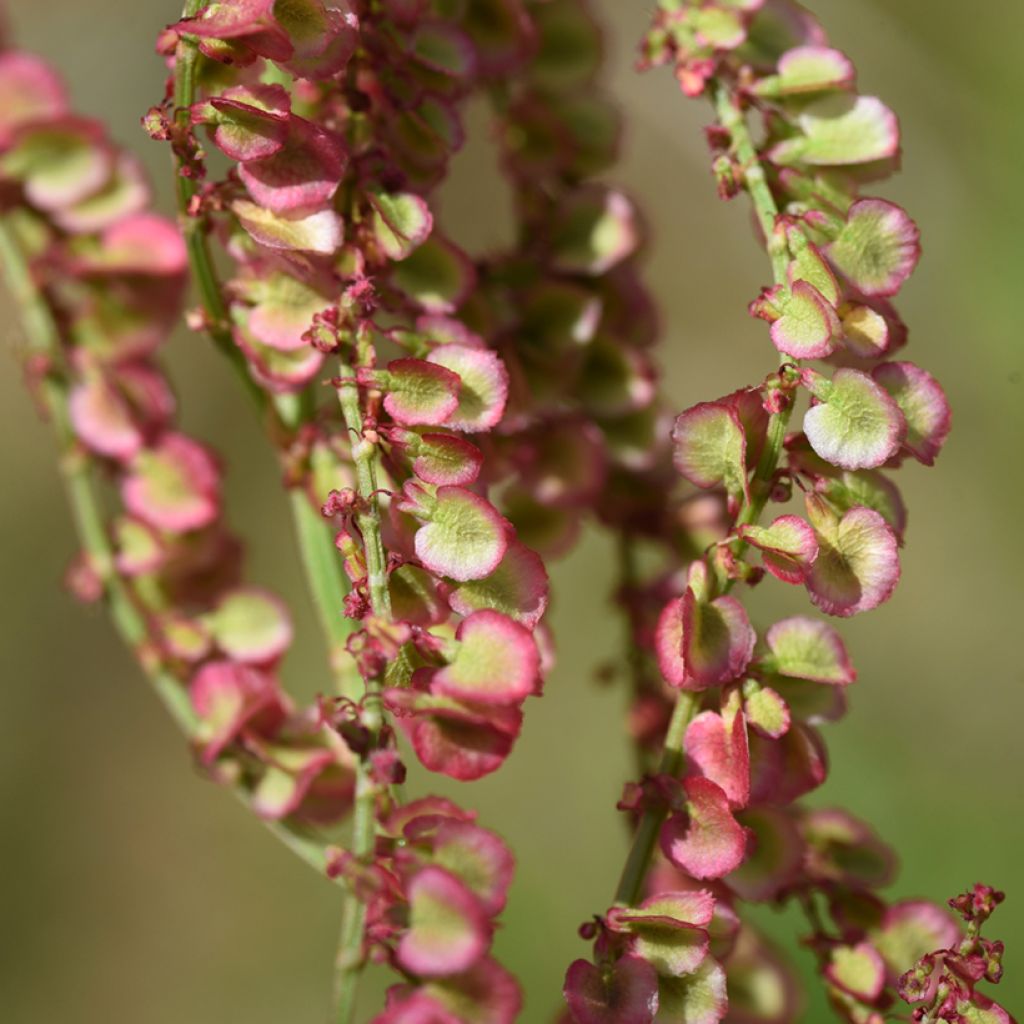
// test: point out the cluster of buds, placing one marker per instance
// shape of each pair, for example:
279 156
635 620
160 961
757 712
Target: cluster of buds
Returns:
943 982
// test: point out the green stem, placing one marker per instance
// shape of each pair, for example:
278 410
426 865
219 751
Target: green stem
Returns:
646 837
320 560
76 470
734 121
350 957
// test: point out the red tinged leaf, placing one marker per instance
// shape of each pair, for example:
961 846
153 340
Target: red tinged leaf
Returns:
228 697
924 406
173 486
703 644
808 69
497 661
625 992
704 840
457 739
29 91
419 393
249 122
841 130
842 849
857 970
718 750
478 858
313 783
854 423
300 178
877 248
400 222
485 994
483 386
858 566
910 930
102 418
465 537
320 231
325 52
445 459
710 447
804 323
788 546
518 588
667 930
804 648
448 928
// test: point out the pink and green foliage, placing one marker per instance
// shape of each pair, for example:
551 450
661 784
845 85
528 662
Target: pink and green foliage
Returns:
447 421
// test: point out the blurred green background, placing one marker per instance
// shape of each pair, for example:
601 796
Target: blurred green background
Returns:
132 891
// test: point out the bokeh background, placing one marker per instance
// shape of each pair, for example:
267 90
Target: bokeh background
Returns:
132 891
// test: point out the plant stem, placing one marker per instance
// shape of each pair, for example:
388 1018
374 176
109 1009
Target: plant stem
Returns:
316 546
646 837
76 468
350 959
734 121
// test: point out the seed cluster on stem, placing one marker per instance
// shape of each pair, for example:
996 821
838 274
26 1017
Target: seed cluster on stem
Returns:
446 422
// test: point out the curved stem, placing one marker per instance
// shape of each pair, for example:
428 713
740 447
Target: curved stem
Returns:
76 468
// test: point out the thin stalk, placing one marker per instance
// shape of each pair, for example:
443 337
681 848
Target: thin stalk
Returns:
350 958
734 121
687 704
320 560
646 837
76 469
